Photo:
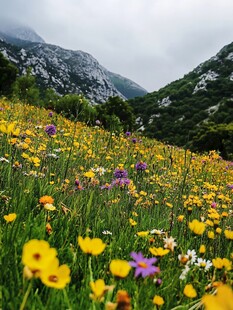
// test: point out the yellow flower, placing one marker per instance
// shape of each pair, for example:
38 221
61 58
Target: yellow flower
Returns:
143 233
132 222
210 234
197 227
119 268
49 207
37 255
218 230
89 174
93 246
159 251
220 263
223 300
55 276
158 300
180 218
202 249
10 217
228 234
189 291
98 289
46 199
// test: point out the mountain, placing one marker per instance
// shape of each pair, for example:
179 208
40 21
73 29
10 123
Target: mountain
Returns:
178 111
125 86
66 71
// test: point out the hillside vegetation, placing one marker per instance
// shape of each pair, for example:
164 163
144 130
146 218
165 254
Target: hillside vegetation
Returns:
95 220
194 110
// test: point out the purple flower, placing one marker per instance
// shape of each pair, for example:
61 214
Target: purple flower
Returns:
97 122
143 266
106 186
50 130
128 133
120 182
230 186
50 114
134 140
120 173
141 166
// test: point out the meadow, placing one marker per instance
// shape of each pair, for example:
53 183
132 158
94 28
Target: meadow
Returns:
95 220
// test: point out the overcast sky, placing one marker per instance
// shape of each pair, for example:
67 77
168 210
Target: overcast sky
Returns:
152 42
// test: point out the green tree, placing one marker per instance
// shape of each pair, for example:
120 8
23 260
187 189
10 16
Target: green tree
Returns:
116 110
75 106
25 89
8 73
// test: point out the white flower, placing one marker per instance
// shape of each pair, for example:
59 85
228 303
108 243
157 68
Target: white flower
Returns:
184 272
106 232
192 256
169 243
203 263
4 159
157 232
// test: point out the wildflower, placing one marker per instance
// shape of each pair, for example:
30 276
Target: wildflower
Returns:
106 232
180 218
157 232
218 230
197 227
10 217
93 246
210 234
89 174
143 233
223 300
132 222
189 291
184 272
50 130
220 263
55 276
203 263
78 186
97 122
183 258
120 268
106 186
38 255
192 256
49 207
120 182
143 266
46 199
123 300
98 289
140 166
202 249
128 133
120 173
49 229
228 234
159 251
50 114
158 300
169 243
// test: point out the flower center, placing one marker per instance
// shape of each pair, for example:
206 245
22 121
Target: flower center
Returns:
53 278
203 264
142 264
37 256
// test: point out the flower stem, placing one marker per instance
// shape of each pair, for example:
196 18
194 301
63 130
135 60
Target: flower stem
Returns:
67 299
23 304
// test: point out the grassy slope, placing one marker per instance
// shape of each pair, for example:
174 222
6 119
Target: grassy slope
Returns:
175 183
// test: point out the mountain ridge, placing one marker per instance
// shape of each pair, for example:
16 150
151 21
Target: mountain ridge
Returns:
66 71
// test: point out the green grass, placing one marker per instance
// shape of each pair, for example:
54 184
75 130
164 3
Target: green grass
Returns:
154 199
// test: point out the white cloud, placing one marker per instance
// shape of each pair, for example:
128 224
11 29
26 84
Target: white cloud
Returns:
150 41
